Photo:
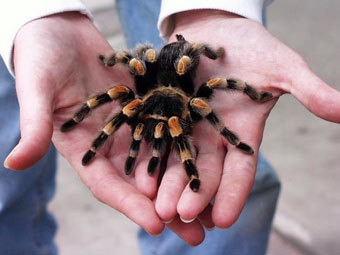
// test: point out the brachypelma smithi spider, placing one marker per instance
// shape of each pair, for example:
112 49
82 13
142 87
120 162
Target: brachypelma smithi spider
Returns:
165 106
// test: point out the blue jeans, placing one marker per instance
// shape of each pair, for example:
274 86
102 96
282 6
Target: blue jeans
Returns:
26 227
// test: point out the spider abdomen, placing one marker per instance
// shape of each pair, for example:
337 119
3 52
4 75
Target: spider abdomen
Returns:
164 105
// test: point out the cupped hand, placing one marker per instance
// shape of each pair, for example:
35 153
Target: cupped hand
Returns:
57 69
253 55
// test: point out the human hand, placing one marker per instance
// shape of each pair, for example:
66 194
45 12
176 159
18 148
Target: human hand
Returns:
56 70
253 55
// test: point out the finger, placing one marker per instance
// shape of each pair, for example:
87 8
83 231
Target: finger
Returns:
236 183
170 190
316 95
209 163
35 119
192 233
205 218
108 187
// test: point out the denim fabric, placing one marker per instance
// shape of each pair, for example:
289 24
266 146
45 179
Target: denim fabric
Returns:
26 227
139 21
250 234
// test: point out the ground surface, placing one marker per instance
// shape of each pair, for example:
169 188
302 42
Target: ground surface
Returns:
303 149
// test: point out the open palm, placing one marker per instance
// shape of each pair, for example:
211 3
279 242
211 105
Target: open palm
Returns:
56 70
252 54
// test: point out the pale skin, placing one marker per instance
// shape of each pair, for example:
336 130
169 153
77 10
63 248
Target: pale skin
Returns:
56 69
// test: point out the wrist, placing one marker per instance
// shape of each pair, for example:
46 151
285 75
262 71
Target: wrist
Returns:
59 38
188 17
192 21
53 24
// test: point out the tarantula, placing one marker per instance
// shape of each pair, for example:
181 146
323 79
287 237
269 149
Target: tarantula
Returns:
165 106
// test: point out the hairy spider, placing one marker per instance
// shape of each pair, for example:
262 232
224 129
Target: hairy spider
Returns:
166 105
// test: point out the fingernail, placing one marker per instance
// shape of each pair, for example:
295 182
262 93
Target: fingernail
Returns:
6 164
221 228
167 221
155 235
187 221
209 229
9 155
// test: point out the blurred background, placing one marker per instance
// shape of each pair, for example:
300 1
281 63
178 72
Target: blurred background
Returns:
303 149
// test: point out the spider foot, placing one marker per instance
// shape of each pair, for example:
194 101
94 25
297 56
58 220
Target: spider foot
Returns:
68 125
192 172
264 96
129 165
108 61
195 184
152 167
89 155
245 148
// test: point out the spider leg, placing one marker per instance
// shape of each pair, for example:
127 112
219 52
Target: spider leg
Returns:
136 65
122 93
114 58
158 142
146 53
201 108
144 68
207 50
189 59
134 148
129 111
145 61
137 62
206 89
184 147
180 37
202 48
142 52
142 64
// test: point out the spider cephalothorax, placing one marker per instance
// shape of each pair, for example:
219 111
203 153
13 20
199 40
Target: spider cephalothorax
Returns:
165 105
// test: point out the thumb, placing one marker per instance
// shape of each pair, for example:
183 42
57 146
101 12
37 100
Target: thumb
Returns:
317 96
36 127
